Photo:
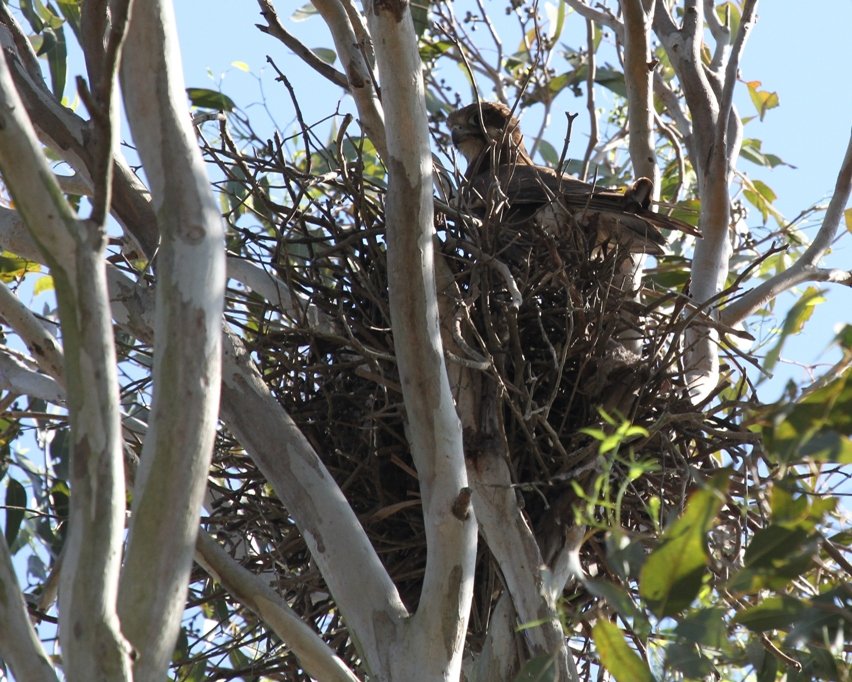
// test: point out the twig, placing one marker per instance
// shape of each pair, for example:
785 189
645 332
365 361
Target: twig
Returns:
590 99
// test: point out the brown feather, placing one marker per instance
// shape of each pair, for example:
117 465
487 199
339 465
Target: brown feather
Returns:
491 141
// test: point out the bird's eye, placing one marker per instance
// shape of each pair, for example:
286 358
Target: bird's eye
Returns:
474 119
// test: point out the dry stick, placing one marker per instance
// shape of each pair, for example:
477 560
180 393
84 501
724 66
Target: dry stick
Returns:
560 168
590 100
275 29
805 268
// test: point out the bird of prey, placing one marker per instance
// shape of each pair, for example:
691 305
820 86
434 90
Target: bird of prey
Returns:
500 171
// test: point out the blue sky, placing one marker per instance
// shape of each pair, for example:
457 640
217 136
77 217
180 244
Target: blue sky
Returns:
796 50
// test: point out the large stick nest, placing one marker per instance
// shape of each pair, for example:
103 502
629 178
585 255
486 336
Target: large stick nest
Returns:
543 320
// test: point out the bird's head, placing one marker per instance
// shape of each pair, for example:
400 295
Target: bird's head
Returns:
489 126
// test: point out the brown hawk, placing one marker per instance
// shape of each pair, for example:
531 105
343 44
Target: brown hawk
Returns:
500 171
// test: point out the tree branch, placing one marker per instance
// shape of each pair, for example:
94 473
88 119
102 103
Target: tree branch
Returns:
598 16
19 644
805 268
371 605
17 378
66 134
351 50
172 477
92 642
276 29
43 345
434 431
638 77
318 659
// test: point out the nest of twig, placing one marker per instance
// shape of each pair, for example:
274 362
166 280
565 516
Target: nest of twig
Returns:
546 320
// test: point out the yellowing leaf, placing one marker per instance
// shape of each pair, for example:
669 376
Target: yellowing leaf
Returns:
44 283
242 66
13 267
763 100
847 216
617 657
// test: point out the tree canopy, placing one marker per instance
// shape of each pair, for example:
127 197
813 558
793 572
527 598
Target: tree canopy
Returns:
293 401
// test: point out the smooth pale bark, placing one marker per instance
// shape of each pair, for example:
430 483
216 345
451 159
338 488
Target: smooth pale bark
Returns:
170 484
371 605
40 342
315 655
65 133
19 379
351 43
20 647
529 597
713 143
93 646
434 641
638 78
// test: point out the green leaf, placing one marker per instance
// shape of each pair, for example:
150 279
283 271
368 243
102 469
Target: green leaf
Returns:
771 613
70 10
16 505
611 79
617 657
672 575
548 152
687 659
541 668
818 428
420 16
306 11
325 55
772 544
751 151
773 573
43 283
794 322
762 197
57 60
433 49
210 99
31 16
705 626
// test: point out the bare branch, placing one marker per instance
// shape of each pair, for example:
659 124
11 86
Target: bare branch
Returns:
590 100
276 29
805 268
65 133
43 346
172 477
93 644
250 590
721 35
371 605
638 77
19 379
598 16
358 71
19 645
731 72
434 432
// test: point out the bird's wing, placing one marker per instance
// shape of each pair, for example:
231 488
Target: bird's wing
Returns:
621 216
